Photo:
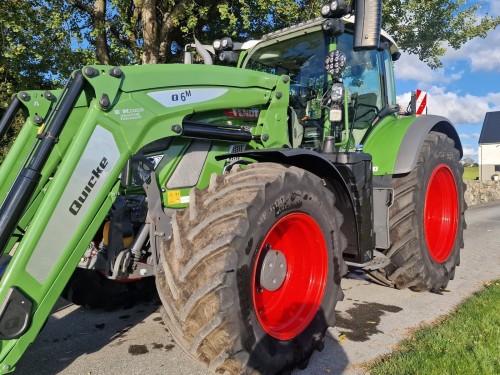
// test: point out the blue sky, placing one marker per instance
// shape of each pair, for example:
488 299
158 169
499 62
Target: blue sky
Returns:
466 87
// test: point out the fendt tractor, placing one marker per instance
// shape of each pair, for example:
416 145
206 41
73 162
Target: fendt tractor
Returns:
243 190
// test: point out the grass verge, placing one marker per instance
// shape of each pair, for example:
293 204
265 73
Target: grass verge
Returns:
471 173
465 342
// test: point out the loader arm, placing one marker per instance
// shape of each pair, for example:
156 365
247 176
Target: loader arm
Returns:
69 175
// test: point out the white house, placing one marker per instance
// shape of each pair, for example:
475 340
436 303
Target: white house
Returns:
489 147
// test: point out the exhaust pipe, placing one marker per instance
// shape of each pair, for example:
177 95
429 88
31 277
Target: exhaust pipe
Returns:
368 24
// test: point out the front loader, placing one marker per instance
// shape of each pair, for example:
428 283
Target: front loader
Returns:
243 191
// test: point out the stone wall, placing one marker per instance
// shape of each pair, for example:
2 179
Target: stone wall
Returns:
481 192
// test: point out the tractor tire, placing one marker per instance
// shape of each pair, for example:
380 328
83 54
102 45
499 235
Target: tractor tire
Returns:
90 289
426 220
219 305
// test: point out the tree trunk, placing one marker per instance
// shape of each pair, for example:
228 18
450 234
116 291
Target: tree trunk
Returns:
150 51
99 20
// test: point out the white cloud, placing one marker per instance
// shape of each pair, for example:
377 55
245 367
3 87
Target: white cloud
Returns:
482 54
470 151
460 109
409 67
469 136
494 8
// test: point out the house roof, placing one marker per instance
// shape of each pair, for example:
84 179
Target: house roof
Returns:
491 128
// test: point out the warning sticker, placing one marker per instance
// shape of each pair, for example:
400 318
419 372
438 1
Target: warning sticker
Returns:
174 197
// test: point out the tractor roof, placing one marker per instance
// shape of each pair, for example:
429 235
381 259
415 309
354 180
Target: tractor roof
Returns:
319 21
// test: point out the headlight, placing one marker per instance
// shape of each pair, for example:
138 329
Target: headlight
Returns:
337 92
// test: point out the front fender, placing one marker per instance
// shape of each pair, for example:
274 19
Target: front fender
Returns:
395 143
311 161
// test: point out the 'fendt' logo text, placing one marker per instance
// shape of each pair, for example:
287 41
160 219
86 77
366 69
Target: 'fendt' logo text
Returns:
96 174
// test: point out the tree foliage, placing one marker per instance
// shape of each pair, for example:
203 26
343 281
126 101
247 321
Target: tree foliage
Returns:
34 47
143 31
44 40
428 27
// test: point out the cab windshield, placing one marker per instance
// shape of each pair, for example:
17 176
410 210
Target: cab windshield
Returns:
302 58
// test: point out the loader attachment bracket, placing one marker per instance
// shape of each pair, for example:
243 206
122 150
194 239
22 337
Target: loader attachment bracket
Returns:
161 228
15 314
106 82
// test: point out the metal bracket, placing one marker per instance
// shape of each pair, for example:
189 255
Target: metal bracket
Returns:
379 261
106 83
161 227
116 259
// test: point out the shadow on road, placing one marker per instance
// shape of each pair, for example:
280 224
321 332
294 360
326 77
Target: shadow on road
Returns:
80 332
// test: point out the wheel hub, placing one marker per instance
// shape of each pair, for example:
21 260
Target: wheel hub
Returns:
273 270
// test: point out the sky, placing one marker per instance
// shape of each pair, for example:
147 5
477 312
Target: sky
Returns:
465 88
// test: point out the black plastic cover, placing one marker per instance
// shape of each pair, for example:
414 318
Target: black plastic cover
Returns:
367 24
356 169
15 314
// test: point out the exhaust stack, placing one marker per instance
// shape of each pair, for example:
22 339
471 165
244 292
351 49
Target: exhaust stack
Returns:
368 24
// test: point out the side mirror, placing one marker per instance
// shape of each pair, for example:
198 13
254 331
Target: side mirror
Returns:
368 24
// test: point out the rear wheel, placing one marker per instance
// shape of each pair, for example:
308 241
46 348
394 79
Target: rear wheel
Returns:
427 220
251 278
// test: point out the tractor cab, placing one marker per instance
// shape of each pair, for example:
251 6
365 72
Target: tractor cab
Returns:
366 86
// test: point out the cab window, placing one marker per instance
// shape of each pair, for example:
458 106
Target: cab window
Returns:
302 58
364 82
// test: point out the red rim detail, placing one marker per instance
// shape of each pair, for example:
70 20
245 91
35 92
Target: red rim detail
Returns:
287 311
441 213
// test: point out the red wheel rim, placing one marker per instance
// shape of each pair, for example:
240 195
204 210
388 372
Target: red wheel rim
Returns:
287 311
441 213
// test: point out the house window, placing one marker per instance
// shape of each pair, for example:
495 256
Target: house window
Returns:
497 168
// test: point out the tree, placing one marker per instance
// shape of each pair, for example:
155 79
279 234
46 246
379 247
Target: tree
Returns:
35 47
43 41
144 31
428 27
468 162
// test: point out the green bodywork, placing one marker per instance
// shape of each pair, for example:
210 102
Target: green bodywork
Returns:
134 120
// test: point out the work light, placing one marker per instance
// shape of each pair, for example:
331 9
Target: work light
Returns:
227 44
335 63
335 9
216 44
337 92
333 26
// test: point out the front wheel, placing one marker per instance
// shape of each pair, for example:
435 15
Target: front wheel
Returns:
427 220
251 278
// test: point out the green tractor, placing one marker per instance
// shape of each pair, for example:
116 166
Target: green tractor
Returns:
243 192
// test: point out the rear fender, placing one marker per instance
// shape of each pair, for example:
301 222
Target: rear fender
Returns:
413 140
395 143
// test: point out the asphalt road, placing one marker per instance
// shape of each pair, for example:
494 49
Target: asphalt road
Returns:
371 321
